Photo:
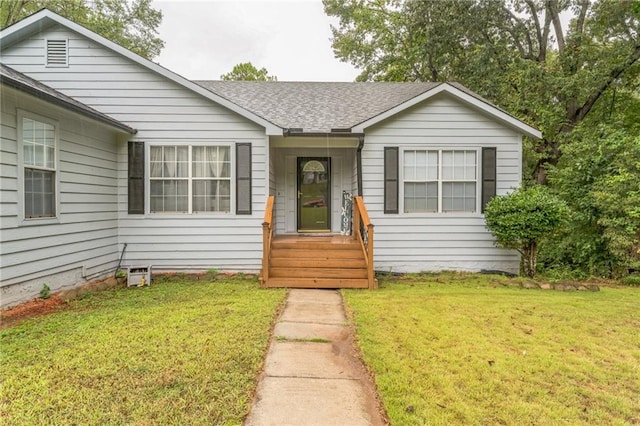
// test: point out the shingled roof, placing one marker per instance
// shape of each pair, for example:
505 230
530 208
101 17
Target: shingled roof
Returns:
22 82
316 106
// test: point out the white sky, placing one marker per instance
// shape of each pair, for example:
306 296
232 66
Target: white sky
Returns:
291 39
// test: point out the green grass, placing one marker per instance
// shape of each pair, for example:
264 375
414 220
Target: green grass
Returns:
467 349
183 352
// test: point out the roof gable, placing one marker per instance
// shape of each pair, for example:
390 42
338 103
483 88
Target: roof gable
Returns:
46 18
462 94
26 84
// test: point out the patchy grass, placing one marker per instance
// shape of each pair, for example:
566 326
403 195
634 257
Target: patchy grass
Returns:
184 352
468 349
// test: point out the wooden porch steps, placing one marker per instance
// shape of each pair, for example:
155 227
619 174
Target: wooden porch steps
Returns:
317 262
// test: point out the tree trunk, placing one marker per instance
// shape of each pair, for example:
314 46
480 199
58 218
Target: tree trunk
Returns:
530 259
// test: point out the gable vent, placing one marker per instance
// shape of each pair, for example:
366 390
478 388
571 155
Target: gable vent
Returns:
57 52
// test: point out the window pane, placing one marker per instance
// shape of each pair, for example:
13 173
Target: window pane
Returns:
470 165
432 165
155 162
447 165
211 195
224 162
39 133
421 165
458 165
199 163
39 193
182 161
50 155
39 151
432 197
420 197
38 140
49 135
211 161
169 161
459 196
169 196
29 154
409 165
27 130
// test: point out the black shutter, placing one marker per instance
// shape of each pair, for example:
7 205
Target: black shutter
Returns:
391 179
243 178
488 175
136 178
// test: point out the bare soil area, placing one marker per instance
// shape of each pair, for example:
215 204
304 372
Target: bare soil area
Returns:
30 309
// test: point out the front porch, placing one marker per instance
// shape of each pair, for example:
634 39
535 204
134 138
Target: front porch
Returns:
319 261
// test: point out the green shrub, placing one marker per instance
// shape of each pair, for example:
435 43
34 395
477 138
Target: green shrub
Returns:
522 219
633 279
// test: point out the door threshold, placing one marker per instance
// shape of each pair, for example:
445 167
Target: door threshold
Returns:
315 233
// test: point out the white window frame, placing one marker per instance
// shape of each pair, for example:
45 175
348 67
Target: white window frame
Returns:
190 178
440 211
46 52
21 115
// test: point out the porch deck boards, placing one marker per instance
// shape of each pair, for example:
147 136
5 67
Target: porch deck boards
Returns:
312 261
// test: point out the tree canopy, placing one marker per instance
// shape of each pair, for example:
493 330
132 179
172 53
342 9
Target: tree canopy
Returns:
521 54
132 24
571 68
246 71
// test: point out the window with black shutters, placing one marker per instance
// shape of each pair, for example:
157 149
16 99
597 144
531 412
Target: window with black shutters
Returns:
190 178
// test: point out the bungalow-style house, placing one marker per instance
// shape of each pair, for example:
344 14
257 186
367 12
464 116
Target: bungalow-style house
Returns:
108 157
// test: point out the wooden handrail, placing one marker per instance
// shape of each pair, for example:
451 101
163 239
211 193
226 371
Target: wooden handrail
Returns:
267 236
363 231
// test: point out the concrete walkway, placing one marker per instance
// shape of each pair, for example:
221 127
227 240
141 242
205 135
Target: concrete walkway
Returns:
311 375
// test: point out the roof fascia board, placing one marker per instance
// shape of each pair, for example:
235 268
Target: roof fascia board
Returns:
271 129
444 87
7 38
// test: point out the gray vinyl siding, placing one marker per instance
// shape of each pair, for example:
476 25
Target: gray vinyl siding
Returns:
438 241
163 112
82 242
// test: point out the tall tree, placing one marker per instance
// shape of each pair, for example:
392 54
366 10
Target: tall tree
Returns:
246 71
518 53
132 24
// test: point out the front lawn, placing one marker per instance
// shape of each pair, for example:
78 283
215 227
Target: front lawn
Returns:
467 349
183 353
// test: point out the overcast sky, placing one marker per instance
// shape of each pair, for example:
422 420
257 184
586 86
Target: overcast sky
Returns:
291 39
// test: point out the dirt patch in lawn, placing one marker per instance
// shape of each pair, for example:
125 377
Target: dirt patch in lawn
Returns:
30 309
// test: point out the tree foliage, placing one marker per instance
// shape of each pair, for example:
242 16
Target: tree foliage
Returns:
246 71
516 53
599 176
568 67
523 218
132 24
